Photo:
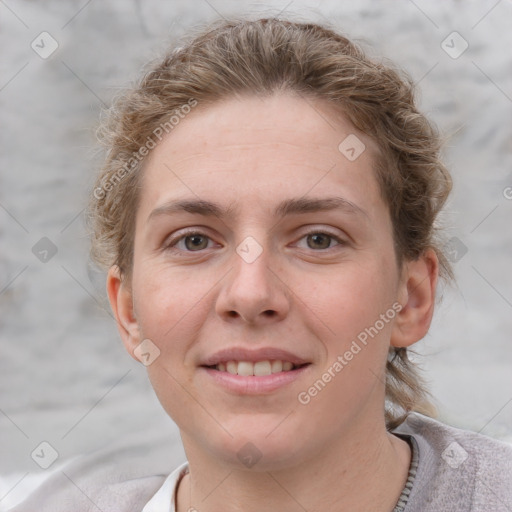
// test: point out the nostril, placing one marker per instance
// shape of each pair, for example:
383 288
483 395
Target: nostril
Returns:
268 312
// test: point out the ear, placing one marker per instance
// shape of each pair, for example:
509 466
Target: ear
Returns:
121 301
417 295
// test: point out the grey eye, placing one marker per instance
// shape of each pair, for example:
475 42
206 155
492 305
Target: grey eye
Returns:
195 242
319 240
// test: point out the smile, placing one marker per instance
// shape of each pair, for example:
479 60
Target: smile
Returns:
256 369
243 371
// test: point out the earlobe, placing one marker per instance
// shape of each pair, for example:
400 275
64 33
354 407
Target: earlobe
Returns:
121 301
418 290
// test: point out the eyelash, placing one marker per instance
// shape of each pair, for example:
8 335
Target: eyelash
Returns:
171 245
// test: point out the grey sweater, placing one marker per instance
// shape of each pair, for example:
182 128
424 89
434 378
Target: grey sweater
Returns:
458 471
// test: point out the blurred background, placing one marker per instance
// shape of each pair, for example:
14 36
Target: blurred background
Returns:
65 378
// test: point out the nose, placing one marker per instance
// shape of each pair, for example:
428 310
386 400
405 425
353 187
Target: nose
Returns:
253 292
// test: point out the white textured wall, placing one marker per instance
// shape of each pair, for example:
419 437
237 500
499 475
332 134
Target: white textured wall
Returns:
64 375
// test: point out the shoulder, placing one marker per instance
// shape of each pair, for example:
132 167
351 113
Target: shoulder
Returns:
165 497
63 491
121 478
458 470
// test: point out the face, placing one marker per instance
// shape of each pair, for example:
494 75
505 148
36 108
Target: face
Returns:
265 274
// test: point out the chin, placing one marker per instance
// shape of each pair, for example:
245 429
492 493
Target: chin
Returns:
257 445
258 457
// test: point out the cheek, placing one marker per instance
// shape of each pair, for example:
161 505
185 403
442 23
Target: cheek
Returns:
356 306
167 300
359 314
351 298
171 308
171 312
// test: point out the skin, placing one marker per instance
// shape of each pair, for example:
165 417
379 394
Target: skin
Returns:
306 295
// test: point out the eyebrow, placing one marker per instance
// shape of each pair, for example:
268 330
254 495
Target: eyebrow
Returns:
287 207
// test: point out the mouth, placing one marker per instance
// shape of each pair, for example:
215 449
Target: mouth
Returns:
242 371
256 368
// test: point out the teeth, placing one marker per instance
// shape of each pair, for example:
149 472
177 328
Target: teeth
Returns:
231 367
260 368
277 366
245 368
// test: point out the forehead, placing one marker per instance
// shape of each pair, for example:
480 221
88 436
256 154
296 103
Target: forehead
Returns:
252 150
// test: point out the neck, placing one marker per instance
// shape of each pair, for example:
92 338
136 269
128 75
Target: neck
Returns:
356 473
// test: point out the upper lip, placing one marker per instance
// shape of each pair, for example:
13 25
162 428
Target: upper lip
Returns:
244 354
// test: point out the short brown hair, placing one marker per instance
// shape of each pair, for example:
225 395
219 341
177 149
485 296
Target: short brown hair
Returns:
262 57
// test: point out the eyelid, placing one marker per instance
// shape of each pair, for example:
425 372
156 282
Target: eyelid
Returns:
170 245
323 231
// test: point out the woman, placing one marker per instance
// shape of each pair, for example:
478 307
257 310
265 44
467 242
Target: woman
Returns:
267 216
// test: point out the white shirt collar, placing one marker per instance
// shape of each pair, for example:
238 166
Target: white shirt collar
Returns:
164 500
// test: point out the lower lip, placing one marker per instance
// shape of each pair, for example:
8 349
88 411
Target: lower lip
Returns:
254 385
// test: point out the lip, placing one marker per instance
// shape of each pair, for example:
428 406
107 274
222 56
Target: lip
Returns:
252 385
243 354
